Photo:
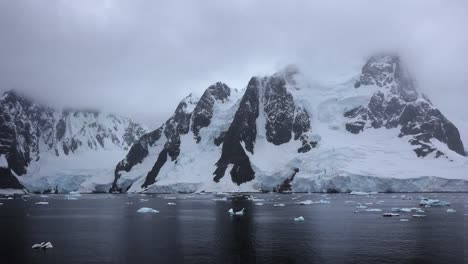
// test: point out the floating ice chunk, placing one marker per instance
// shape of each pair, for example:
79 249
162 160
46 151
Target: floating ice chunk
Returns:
42 203
259 204
433 202
369 203
279 205
144 200
171 203
306 202
71 197
419 216
404 220
1 203
390 215
299 219
257 200
10 198
374 210
362 193
219 199
359 206
147 210
129 202
322 202
231 212
241 212
76 193
43 245
451 211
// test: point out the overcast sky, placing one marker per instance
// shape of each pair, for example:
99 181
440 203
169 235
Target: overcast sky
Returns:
139 58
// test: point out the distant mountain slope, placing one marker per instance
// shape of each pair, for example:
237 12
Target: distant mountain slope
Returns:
31 133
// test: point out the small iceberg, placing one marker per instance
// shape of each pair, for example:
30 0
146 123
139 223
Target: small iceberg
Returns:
145 210
259 204
359 206
144 200
390 215
279 205
43 203
75 193
404 220
71 197
362 193
433 202
240 213
451 211
43 245
374 210
171 203
299 219
219 199
419 216
306 202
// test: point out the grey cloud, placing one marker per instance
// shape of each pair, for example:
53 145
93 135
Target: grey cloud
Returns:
140 58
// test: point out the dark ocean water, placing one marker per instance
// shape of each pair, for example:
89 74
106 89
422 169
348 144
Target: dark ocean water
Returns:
107 229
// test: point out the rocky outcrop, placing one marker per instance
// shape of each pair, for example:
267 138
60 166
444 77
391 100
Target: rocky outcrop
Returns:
243 130
397 104
203 112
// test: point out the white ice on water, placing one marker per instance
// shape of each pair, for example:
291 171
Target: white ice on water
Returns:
299 219
147 210
43 245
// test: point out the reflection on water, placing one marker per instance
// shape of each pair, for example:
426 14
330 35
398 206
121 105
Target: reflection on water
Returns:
106 229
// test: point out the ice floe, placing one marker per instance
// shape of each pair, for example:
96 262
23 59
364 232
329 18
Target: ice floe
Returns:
404 220
433 202
451 211
171 203
374 210
299 219
147 210
419 216
362 193
279 205
259 204
231 212
390 214
42 203
43 245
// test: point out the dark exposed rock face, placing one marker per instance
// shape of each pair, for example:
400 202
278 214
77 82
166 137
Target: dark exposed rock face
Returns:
203 112
284 119
27 129
399 105
279 111
242 129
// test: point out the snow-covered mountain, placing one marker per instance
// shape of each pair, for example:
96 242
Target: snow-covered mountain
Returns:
375 132
45 149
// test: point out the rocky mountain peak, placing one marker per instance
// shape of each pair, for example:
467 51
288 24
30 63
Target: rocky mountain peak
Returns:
398 104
